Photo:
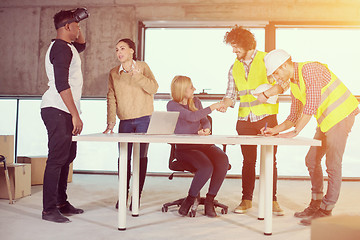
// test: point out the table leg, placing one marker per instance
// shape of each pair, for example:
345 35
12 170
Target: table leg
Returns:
122 186
135 180
269 169
262 184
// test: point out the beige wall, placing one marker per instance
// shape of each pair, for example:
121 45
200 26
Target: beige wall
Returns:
27 29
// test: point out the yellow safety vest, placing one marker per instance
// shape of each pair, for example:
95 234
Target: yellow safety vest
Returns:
257 76
336 102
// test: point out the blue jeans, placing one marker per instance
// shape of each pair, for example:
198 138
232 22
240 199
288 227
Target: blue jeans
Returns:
136 125
333 146
209 162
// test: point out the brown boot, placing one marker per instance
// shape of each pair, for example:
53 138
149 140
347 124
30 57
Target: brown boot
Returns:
209 206
186 205
310 210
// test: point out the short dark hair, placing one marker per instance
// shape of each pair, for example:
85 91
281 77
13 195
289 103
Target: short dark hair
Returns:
241 37
131 45
62 16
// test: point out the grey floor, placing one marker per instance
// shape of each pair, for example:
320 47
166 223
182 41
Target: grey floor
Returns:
96 194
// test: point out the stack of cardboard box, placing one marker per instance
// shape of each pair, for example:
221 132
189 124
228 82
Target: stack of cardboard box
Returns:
19 174
26 172
344 227
38 164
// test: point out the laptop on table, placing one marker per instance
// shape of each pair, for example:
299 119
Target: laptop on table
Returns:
162 122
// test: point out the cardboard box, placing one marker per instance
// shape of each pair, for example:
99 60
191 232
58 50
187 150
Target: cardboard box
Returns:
20 181
344 227
38 164
7 147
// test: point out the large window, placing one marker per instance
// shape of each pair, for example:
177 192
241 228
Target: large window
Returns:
199 53
338 48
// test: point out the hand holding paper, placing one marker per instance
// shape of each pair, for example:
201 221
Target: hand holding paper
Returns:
262 88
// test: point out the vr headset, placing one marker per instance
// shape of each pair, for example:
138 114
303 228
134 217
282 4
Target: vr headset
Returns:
79 14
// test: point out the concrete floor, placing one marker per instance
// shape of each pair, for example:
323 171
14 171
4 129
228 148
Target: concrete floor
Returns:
97 194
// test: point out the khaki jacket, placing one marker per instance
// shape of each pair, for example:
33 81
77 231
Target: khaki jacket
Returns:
130 96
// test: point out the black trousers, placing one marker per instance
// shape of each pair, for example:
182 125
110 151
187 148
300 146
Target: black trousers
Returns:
249 153
62 151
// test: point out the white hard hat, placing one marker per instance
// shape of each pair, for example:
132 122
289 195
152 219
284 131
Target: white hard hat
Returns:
274 59
263 88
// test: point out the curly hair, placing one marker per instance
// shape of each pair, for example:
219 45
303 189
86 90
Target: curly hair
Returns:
240 37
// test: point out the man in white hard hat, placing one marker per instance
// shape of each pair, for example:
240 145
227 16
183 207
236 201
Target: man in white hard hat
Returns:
315 90
246 74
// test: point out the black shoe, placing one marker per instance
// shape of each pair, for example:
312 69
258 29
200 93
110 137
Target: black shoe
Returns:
67 208
309 211
318 214
186 205
55 216
209 206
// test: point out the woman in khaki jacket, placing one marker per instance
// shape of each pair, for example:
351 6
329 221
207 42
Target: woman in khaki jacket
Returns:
130 96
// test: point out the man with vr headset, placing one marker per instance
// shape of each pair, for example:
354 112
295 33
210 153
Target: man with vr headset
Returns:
60 109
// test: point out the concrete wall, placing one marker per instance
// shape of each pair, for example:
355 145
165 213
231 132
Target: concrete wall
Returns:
27 30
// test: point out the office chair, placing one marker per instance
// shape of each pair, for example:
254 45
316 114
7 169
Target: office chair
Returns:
180 166
6 173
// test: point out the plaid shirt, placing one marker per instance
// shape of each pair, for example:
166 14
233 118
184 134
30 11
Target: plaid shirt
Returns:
315 76
232 91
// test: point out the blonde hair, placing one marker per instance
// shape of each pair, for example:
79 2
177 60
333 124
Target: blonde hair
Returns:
178 88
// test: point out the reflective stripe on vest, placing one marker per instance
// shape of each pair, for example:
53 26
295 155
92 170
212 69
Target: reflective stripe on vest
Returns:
257 76
336 102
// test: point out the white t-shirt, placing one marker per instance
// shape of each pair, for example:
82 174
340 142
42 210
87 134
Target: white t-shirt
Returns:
51 97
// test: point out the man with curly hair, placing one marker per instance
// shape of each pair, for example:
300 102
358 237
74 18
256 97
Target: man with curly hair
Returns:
246 74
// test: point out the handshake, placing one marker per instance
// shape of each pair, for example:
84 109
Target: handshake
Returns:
219 106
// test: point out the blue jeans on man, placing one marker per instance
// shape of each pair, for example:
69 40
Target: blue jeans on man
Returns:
333 146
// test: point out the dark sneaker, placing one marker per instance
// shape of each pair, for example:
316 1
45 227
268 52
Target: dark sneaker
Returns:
67 208
54 216
310 210
318 214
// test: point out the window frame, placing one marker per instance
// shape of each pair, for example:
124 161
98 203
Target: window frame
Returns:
270 38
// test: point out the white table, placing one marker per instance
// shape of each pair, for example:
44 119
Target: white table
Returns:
266 163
